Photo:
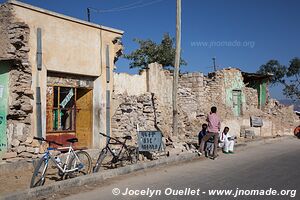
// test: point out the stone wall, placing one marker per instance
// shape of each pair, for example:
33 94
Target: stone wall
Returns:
134 111
251 98
196 94
5 18
14 48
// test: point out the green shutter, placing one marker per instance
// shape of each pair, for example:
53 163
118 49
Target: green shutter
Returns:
4 78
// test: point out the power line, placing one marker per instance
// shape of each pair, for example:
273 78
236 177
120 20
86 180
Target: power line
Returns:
121 7
137 4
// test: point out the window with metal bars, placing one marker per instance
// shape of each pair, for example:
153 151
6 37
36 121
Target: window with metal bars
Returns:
61 109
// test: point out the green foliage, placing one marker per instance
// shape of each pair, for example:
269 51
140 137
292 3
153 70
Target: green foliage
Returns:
292 86
275 68
289 76
150 52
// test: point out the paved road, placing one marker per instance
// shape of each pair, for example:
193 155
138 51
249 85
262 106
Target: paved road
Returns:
274 165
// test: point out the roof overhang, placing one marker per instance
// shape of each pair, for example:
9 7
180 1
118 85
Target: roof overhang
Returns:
256 76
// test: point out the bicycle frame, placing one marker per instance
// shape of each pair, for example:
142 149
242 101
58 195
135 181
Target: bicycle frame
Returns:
63 168
117 142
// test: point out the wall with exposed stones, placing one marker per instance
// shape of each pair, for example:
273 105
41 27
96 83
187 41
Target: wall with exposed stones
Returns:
14 37
251 97
196 94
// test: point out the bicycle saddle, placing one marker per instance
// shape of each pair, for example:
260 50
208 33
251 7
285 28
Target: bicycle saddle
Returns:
72 140
127 137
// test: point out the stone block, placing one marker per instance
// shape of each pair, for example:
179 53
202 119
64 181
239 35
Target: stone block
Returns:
30 149
22 138
9 155
19 127
15 142
20 149
43 147
36 150
25 155
35 143
27 108
29 140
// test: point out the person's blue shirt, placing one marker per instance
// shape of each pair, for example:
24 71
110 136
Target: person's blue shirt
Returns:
201 134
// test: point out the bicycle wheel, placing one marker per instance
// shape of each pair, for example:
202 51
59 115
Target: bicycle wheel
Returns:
82 162
100 159
38 177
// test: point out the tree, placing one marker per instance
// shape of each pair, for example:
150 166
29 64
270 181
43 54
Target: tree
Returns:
275 68
292 86
289 76
150 52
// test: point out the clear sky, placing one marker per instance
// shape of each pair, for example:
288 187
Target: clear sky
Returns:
239 33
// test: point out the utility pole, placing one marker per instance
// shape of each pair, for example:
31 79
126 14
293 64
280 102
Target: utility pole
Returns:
214 62
88 14
176 69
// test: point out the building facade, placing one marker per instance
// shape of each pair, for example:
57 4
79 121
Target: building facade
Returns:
55 76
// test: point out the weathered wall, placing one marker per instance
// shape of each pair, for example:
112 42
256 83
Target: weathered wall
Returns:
14 38
133 111
71 46
196 94
160 82
5 18
130 84
251 98
155 80
75 42
233 80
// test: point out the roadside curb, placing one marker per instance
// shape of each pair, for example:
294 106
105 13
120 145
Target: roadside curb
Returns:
103 175
96 177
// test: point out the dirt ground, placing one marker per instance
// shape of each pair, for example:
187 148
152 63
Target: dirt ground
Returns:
17 181
20 180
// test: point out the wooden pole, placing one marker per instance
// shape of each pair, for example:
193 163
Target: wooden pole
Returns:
176 69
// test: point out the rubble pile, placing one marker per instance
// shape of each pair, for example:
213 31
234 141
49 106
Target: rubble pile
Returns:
281 115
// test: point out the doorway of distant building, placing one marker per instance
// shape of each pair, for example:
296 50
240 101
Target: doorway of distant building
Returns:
69 114
237 102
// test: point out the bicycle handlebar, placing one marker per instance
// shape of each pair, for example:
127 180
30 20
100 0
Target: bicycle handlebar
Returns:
111 138
50 142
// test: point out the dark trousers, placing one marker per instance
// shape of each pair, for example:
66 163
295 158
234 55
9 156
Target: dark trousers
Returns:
205 138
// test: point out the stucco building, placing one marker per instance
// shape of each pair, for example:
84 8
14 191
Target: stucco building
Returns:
55 76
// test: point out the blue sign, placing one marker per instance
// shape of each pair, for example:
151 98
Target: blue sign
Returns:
149 140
